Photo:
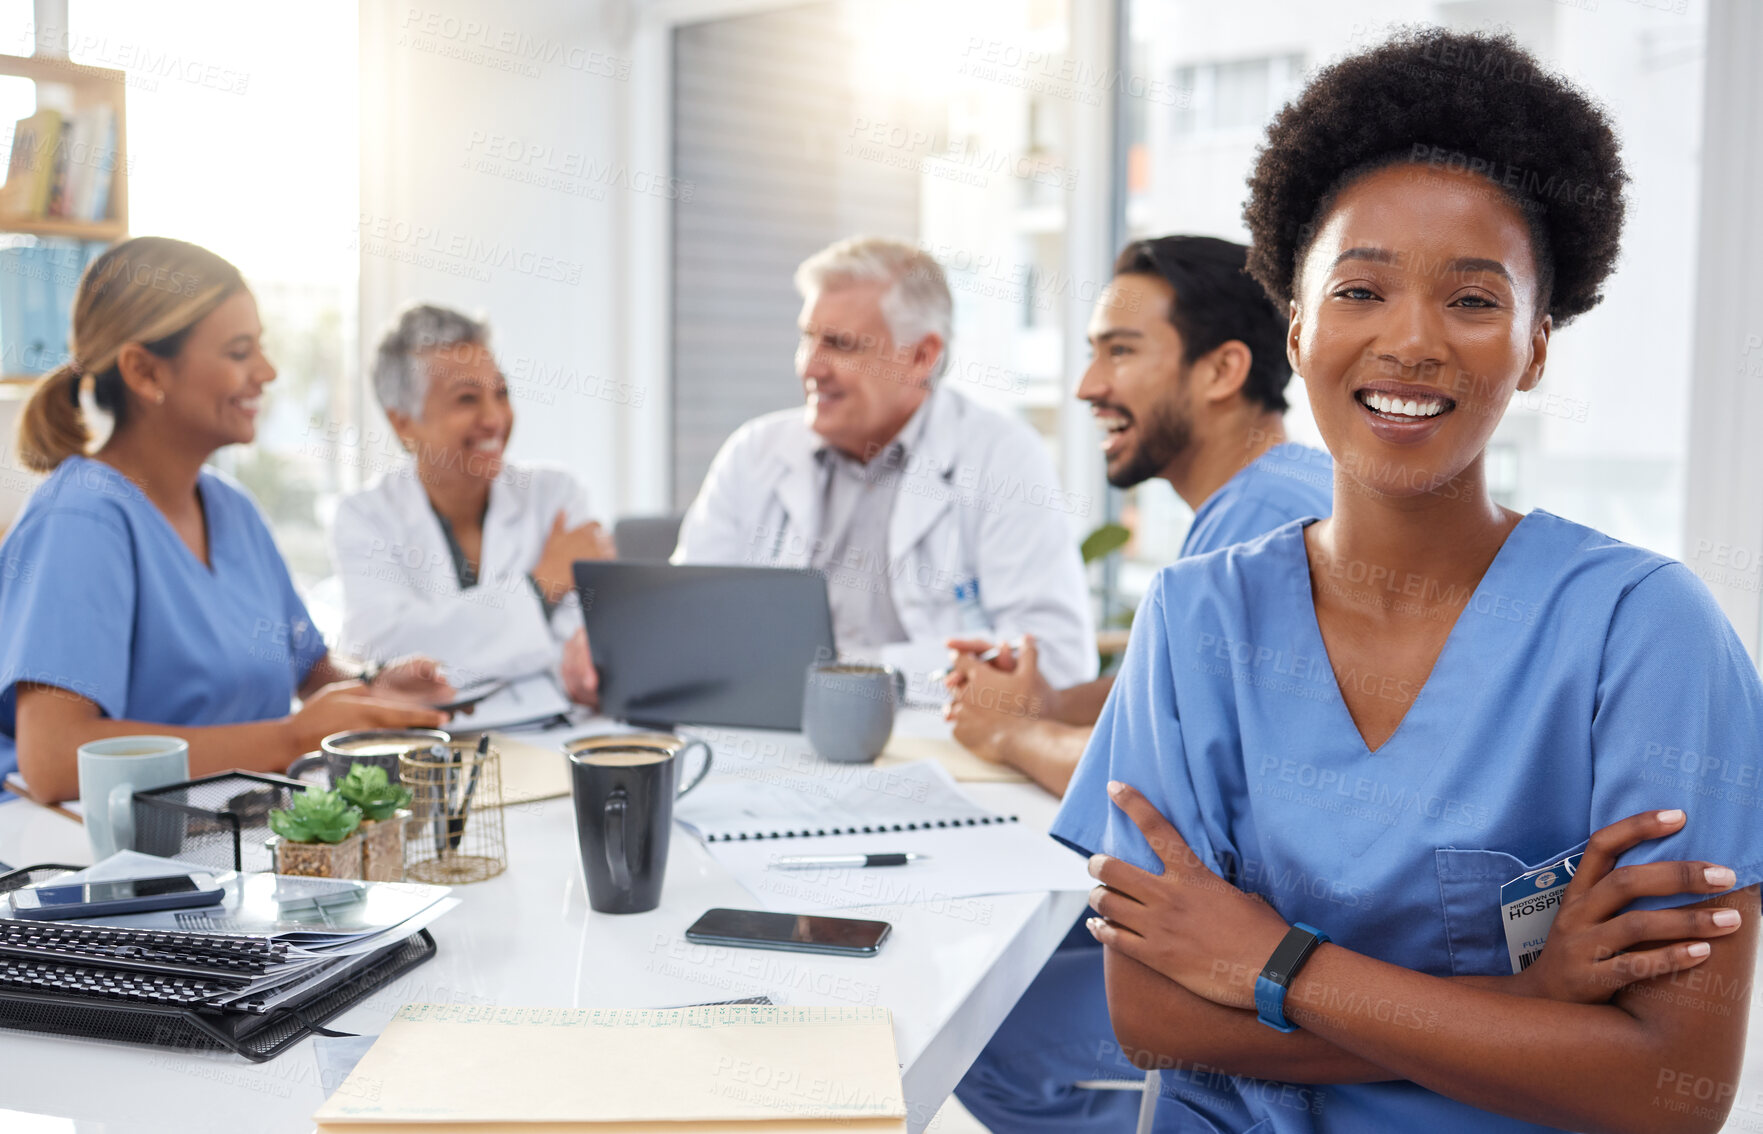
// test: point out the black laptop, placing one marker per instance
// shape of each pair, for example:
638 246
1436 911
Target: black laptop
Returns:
704 645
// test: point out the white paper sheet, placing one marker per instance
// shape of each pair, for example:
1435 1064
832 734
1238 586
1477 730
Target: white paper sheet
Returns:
963 863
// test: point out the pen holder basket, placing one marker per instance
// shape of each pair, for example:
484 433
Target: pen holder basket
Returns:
455 832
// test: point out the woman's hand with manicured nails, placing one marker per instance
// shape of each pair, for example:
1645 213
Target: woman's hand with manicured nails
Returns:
1186 923
1594 950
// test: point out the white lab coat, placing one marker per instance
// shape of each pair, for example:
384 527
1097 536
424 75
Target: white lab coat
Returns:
978 500
401 595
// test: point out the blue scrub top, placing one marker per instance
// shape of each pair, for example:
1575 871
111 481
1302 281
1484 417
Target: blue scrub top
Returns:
100 596
1288 482
1585 681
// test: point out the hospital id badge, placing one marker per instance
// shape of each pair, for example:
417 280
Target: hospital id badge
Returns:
1528 905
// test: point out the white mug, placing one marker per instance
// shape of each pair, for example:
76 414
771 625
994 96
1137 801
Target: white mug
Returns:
111 772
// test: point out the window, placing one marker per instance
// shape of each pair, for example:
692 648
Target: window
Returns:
242 138
1236 97
1603 440
948 125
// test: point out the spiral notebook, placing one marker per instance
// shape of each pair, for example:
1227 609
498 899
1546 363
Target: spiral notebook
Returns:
750 820
833 799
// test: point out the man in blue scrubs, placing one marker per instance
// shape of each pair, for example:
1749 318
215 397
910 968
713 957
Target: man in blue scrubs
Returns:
1188 382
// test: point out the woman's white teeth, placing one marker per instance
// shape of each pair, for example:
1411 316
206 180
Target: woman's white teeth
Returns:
1408 407
493 445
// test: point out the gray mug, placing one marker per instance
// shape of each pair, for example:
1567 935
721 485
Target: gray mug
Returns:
848 709
111 772
380 747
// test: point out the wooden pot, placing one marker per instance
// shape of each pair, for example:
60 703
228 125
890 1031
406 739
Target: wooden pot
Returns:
319 860
382 847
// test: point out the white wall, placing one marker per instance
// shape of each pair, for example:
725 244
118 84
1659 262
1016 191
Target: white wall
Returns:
492 179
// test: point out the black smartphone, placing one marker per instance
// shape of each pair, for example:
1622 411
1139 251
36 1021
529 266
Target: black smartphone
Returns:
793 933
470 696
54 902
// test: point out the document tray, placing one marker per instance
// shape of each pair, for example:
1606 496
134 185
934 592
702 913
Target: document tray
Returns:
256 1037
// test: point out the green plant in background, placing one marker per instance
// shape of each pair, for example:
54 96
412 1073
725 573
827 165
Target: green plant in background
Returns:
368 787
1098 545
316 817
1105 541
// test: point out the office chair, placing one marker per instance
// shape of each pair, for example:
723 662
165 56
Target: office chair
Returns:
647 538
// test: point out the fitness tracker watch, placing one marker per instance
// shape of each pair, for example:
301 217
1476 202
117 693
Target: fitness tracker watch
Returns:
1270 987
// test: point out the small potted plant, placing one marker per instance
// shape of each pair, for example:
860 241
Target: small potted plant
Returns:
315 836
383 820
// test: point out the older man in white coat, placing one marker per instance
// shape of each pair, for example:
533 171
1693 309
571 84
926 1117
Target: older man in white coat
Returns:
932 516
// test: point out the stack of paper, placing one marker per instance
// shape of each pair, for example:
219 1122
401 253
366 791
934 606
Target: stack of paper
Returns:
328 923
452 1069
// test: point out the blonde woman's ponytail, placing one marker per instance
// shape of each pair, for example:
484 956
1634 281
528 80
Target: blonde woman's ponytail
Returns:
150 290
51 427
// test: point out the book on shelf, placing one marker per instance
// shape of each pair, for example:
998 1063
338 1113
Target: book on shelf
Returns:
31 166
37 286
61 166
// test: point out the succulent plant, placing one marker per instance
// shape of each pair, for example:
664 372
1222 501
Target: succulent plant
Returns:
369 788
316 817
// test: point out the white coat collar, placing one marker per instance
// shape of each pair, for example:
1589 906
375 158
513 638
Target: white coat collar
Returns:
502 546
926 484
933 444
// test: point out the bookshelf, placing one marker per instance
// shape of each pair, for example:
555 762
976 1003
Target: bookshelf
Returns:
86 87
89 87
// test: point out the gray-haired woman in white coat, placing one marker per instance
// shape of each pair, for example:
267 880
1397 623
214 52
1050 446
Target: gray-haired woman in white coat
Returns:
453 552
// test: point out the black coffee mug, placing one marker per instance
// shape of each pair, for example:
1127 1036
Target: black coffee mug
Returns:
624 788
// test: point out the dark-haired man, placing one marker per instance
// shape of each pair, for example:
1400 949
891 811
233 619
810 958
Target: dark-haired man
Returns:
1187 379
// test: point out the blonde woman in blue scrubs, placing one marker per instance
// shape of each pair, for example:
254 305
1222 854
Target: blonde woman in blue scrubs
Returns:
1342 758
140 591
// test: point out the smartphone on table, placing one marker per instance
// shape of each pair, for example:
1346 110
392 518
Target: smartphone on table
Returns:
68 901
793 933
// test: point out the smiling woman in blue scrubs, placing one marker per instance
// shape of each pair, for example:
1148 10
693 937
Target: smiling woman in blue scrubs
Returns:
1342 759
140 591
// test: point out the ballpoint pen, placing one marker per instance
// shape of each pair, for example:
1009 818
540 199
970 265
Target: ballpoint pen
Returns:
443 790
456 823
813 862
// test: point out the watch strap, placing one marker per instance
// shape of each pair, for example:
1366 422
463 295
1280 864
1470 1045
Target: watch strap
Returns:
1276 976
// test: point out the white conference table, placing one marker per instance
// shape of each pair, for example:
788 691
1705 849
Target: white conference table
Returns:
950 973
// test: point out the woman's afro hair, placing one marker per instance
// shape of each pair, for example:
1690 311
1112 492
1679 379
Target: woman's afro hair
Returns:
1456 100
